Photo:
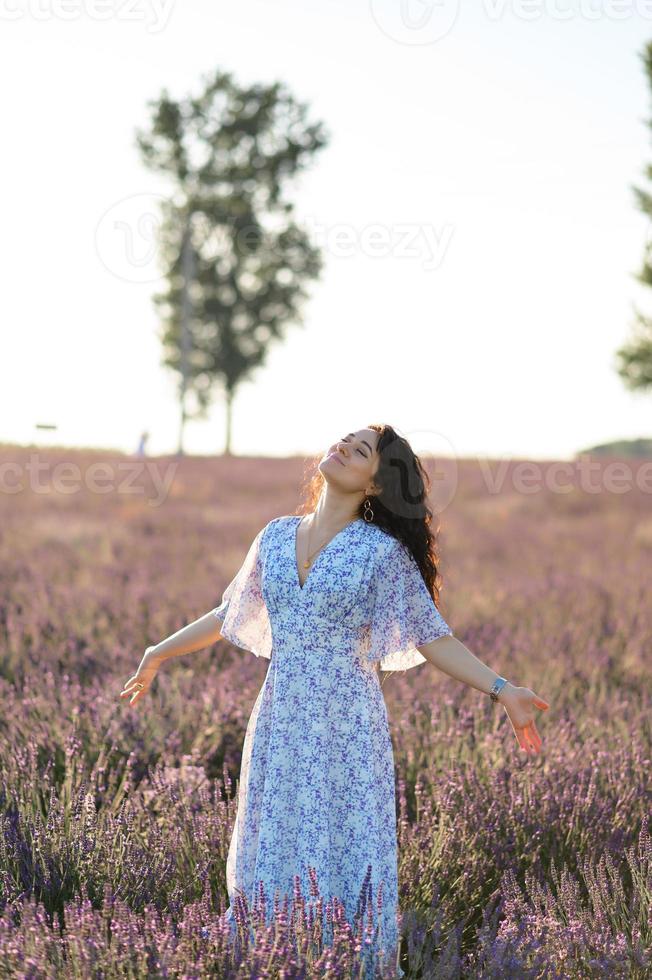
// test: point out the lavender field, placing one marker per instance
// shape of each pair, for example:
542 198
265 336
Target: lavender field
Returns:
116 820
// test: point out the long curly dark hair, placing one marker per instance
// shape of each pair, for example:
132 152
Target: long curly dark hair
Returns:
400 507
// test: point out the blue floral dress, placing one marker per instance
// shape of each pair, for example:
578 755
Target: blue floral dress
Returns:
316 784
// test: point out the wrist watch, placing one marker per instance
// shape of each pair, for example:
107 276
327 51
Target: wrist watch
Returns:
498 685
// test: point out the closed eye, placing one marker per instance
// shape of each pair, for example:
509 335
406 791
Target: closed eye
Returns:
357 450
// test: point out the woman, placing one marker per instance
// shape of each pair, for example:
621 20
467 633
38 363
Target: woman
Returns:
328 597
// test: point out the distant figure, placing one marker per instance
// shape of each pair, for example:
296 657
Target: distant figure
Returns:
142 444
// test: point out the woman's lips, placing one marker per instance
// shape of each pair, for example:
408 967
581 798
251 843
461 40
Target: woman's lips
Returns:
335 456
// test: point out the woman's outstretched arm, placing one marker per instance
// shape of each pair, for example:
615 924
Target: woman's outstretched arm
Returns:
453 658
195 636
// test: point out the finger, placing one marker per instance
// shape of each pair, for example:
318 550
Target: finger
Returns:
532 741
130 688
534 745
523 740
529 748
520 738
535 735
529 735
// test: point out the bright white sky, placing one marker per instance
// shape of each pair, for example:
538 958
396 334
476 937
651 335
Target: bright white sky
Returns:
494 146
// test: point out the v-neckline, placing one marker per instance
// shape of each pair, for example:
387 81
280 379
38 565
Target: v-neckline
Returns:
295 561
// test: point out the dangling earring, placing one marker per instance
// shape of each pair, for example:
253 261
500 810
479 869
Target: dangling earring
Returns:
368 513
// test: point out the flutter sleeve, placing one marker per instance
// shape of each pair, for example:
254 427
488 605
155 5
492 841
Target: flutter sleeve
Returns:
403 613
242 611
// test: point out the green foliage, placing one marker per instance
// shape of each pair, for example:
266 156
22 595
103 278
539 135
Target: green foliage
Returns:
634 359
629 448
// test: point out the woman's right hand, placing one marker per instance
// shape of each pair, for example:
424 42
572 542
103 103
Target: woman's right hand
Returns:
519 703
144 675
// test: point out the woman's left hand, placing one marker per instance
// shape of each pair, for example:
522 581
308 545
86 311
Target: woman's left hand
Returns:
521 704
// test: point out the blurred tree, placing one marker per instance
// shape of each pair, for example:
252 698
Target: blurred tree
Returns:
235 262
634 359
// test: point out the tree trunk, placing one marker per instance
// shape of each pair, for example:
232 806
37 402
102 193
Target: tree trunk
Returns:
182 421
229 414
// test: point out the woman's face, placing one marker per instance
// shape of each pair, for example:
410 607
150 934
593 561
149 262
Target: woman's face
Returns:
351 462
